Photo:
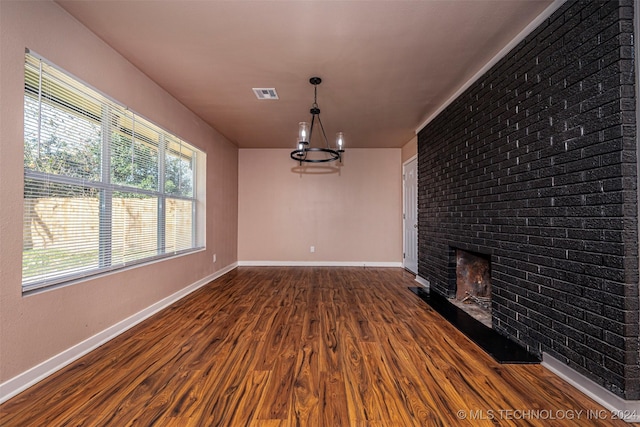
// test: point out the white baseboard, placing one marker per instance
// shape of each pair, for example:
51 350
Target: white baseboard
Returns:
21 382
424 282
317 264
627 410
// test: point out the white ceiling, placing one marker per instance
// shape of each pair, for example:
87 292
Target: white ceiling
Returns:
386 65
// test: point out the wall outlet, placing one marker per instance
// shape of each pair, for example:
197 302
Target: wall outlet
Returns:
312 249
214 257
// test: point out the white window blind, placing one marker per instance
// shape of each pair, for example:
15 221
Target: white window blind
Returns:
103 187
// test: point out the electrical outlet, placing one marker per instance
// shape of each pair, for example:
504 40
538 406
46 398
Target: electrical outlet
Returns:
312 249
214 257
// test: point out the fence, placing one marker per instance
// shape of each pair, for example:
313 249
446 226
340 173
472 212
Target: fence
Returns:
73 223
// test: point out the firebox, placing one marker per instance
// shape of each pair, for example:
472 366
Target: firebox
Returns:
473 284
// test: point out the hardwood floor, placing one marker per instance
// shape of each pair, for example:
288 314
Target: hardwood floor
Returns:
300 347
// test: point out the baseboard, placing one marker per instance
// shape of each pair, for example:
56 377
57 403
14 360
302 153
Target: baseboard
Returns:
317 264
627 410
21 382
424 282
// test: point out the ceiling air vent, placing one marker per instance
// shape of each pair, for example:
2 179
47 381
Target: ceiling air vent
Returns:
265 92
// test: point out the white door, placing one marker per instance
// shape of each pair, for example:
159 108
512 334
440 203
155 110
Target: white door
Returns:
410 215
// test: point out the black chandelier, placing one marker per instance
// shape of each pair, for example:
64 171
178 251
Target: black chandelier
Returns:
304 151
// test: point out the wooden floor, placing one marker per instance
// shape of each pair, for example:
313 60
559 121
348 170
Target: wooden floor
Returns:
300 346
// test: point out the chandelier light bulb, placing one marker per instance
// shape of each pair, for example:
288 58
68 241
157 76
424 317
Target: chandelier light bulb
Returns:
303 132
340 141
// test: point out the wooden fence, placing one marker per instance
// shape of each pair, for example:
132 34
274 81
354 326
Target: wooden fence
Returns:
73 224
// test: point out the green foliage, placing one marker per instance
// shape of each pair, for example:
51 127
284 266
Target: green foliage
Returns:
178 176
133 163
59 143
62 143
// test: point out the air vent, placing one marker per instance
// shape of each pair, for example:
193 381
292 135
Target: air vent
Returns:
265 92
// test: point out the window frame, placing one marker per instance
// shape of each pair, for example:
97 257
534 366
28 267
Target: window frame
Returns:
106 188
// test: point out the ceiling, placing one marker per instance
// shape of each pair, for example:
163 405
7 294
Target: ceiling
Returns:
386 65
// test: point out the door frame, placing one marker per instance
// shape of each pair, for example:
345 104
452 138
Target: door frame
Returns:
404 219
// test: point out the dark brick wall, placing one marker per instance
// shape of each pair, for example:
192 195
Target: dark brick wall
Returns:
535 165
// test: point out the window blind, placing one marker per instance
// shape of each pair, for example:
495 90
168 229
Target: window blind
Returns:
103 187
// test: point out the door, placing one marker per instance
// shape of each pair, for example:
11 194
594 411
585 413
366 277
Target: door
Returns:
410 215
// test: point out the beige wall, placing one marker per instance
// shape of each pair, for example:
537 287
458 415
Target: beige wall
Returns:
351 216
37 327
410 149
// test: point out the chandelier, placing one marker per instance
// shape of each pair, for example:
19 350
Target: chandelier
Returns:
304 151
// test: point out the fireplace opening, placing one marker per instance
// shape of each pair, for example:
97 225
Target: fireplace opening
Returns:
473 285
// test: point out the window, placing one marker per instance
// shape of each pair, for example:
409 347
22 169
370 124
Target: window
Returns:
103 188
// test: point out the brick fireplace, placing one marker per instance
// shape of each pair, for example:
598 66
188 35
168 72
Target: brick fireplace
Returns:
534 166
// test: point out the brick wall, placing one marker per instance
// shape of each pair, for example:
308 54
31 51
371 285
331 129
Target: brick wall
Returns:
535 165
